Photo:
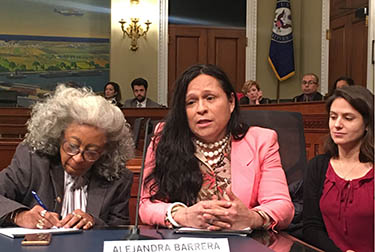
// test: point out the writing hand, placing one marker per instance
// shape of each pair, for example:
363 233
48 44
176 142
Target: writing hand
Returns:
37 217
78 219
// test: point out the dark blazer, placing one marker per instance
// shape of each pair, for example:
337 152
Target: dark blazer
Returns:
245 101
315 97
116 102
314 231
132 103
108 202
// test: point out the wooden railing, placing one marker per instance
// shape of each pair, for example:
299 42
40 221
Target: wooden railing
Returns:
13 127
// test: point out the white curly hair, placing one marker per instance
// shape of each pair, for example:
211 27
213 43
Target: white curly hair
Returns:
67 105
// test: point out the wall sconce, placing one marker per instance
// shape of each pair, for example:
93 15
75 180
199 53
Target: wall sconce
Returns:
134 30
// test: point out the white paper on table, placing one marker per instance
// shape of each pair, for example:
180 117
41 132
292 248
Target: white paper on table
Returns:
14 232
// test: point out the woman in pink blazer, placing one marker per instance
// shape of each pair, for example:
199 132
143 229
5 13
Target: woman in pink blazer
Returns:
206 169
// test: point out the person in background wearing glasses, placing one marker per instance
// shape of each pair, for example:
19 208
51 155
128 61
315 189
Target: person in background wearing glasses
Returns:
73 157
309 86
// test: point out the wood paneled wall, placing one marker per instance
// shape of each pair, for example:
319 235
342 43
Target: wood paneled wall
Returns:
348 41
190 45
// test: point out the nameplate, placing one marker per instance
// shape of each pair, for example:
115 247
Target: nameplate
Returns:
169 245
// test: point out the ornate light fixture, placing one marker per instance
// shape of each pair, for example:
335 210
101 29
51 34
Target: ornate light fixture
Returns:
134 30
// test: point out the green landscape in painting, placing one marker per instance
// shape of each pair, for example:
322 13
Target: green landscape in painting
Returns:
39 56
49 42
29 69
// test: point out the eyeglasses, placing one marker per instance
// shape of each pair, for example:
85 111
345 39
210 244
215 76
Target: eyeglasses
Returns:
308 82
72 150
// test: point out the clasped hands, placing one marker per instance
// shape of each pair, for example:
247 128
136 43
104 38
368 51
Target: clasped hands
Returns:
37 217
216 214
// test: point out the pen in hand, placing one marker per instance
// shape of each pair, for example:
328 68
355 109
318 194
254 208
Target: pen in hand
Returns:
40 202
53 219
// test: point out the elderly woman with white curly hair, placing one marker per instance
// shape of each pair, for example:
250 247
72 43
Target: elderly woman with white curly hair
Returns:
70 169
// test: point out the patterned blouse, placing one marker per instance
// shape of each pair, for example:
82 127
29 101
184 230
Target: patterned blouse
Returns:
216 178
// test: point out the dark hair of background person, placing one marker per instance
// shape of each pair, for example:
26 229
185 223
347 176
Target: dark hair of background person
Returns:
362 100
176 167
139 82
348 80
116 88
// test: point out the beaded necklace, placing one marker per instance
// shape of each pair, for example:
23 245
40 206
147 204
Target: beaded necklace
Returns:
213 152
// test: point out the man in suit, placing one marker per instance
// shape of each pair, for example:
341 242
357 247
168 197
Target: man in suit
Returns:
309 86
140 100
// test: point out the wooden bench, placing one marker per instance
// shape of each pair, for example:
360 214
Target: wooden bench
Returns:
7 148
12 130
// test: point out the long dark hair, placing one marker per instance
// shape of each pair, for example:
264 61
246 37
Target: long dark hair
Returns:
348 80
116 87
362 100
176 176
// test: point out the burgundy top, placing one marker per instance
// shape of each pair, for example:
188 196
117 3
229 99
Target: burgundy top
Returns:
347 208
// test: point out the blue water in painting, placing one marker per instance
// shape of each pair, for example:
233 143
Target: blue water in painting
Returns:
7 38
96 82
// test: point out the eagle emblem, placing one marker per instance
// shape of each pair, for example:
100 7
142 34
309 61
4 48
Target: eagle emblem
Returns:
282 24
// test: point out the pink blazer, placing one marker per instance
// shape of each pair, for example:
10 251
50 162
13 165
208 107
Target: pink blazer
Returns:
257 179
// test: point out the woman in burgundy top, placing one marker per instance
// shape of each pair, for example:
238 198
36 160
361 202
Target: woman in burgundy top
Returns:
339 185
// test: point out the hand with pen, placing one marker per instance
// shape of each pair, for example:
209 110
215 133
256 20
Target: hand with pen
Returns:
39 217
74 157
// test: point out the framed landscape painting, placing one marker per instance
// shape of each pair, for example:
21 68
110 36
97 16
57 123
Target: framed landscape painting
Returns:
47 42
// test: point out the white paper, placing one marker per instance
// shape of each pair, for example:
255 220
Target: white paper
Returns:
20 232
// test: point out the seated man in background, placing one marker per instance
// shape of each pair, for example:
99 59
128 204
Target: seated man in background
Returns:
140 100
309 86
73 157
